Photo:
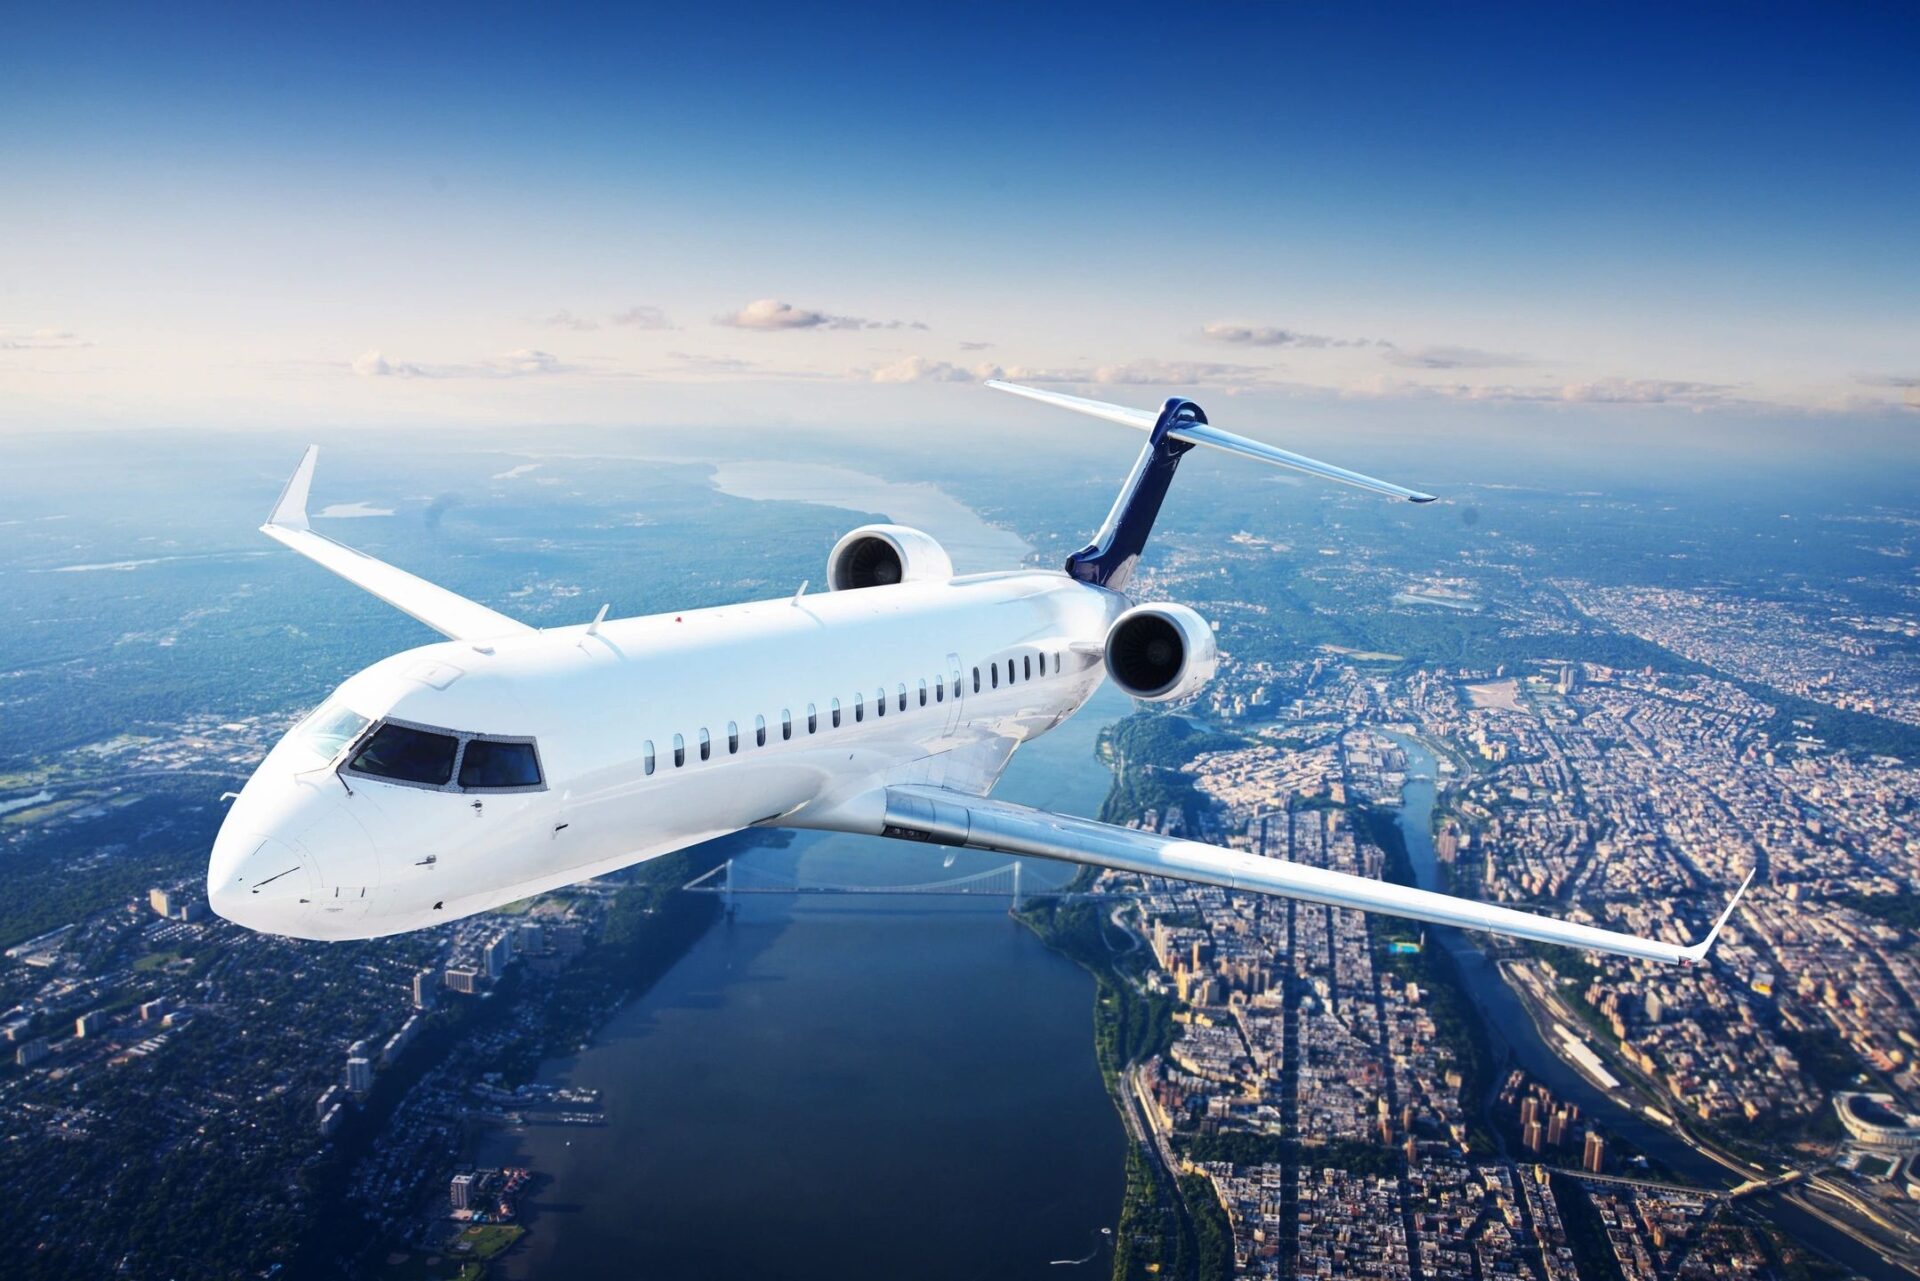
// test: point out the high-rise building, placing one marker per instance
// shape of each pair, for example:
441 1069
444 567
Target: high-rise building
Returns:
359 1074
462 979
90 1024
153 1009
462 1190
499 953
1530 1109
423 990
529 937
160 901
1557 1128
1532 1136
1594 1158
31 1052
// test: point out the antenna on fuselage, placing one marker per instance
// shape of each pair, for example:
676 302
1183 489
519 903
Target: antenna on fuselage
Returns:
593 628
802 592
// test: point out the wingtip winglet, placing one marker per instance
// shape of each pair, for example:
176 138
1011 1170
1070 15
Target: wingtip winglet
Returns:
291 511
1698 952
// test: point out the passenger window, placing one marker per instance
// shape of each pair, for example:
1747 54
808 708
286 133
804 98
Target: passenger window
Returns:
903 696
706 745
976 680
407 755
940 691
923 691
880 701
733 737
993 669
1026 666
679 750
813 719
1056 662
956 682
786 724
646 758
859 707
487 764
836 713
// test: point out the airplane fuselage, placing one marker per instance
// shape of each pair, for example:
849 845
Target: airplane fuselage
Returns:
650 734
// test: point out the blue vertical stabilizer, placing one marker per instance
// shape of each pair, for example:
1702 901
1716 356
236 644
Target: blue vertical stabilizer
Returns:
1109 559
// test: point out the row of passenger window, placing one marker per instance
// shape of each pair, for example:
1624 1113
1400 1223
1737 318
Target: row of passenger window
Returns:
1023 667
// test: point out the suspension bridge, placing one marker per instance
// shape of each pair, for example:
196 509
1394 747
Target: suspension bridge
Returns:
733 877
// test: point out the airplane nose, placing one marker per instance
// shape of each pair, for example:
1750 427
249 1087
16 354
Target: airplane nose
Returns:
257 880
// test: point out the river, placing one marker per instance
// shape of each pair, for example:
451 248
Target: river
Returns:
836 1086
1516 1042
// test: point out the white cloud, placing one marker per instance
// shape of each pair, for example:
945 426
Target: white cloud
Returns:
523 363
1451 358
564 319
642 318
1271 336
1144 373
919 369
44 339
770 314
1602 391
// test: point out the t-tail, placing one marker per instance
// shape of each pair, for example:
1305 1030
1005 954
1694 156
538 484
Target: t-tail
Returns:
1108 561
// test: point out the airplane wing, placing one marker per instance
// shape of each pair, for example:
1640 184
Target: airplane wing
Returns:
944 817
1202 433
446 612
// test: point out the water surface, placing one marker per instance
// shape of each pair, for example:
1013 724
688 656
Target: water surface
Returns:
847 1086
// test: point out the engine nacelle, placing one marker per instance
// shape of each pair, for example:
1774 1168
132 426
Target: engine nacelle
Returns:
1161 653
882 555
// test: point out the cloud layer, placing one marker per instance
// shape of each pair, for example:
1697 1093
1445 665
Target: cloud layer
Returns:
770 314
524 363
1270 336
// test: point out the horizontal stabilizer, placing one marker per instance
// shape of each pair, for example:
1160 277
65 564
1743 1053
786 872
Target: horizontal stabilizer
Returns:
446 612
1202 433
944 817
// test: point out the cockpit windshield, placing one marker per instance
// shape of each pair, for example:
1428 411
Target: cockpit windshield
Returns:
407 755
425 756
330 728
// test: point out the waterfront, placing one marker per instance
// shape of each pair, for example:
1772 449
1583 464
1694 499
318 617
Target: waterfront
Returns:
1515 1041
839 1085
974 545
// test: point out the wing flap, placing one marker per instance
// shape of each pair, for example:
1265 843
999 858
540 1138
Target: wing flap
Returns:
448 613
948 818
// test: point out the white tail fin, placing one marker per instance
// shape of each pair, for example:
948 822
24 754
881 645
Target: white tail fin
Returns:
1202 433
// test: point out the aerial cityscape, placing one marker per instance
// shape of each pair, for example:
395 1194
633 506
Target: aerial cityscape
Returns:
637 335
1304 1090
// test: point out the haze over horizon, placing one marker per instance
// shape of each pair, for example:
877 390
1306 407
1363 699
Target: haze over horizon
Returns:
1628 221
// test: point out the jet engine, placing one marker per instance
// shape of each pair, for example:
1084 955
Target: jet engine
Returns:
1161 653
882 555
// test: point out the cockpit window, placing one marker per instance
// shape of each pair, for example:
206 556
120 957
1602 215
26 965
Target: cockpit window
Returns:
489 763
407 755
330 728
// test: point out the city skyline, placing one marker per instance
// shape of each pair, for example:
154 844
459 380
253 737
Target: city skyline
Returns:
764 217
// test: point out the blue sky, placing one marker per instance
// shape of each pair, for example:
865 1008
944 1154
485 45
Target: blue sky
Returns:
502 215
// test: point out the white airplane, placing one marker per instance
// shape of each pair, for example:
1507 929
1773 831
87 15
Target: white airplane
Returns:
507 761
